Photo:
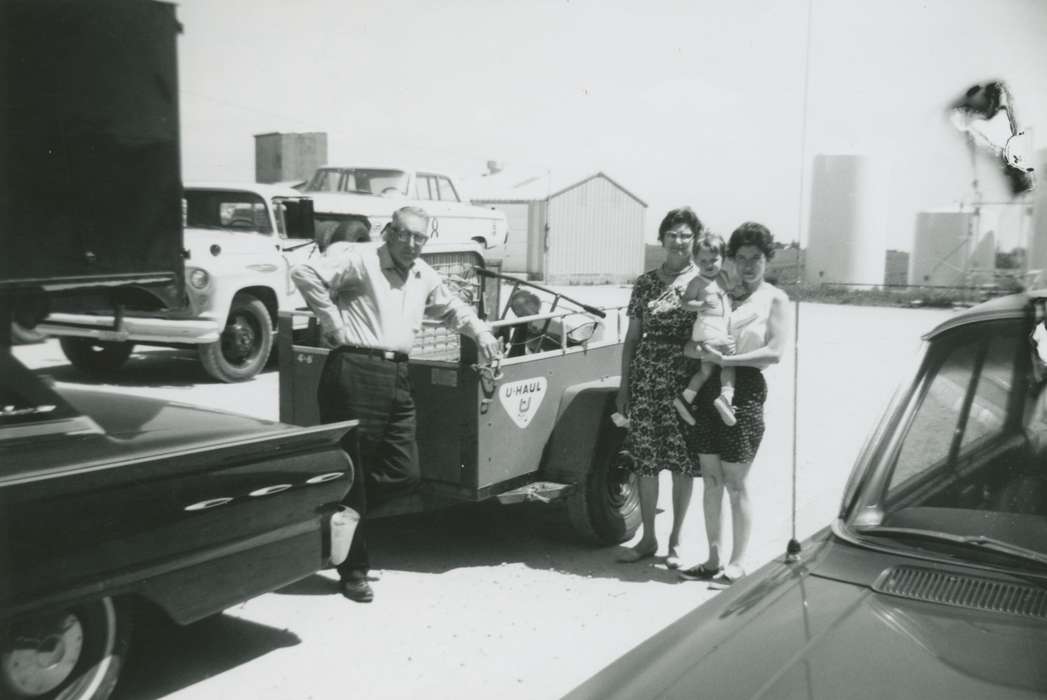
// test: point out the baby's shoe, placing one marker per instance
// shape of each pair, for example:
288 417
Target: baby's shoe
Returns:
726 411
684 409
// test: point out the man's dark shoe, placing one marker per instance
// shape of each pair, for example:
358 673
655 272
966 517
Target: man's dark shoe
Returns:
358 589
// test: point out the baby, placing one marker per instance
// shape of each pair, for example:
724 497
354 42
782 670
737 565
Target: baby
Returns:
707 294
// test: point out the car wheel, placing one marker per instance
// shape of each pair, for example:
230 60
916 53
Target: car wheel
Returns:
605 505
96 355
74 653
246 342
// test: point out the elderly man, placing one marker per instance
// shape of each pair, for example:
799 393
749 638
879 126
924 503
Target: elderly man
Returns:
370 299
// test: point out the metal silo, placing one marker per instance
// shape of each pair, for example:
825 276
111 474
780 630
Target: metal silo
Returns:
846 233
941 248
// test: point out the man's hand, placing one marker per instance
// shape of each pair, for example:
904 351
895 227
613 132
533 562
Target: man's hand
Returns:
337 337
489 346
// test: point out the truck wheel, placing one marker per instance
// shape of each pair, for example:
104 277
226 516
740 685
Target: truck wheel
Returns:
605 506
96 355
75 653
246 342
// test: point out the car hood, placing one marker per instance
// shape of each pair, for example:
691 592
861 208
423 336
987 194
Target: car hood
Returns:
791 633
352 203
198 242
133 428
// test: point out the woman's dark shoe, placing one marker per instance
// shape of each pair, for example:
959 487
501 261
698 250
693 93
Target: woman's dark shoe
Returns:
358 590
683 407
699 573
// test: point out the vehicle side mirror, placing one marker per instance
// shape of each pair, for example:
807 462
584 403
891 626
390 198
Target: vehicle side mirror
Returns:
298 218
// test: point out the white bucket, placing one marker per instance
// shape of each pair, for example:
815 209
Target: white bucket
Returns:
342 527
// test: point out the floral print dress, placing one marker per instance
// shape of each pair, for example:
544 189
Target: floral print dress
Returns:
657 438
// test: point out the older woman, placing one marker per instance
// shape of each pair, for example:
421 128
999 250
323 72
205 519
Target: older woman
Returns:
760 324
654 371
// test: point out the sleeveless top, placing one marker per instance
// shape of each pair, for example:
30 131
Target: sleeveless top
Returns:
749 319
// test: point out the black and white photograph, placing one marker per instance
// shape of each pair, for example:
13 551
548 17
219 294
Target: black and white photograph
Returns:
558 349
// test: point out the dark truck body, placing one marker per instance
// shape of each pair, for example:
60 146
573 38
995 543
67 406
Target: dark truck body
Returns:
110 504
90 184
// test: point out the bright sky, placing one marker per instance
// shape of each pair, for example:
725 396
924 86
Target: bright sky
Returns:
698 103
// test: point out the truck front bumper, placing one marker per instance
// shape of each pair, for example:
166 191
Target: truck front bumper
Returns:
139 329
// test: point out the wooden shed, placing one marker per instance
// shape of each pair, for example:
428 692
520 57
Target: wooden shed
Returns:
567 230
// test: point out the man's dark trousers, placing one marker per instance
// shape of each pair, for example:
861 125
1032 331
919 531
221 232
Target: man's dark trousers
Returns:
377 392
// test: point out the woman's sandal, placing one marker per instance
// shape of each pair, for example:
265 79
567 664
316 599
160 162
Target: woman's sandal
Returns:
699 573
724 580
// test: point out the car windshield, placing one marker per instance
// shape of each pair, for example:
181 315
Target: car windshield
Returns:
965 471
359 180
226 210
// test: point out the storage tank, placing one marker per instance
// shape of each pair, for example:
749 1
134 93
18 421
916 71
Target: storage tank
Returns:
941 248
846 232
1038 239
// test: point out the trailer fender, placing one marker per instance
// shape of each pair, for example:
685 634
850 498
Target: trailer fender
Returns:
582 418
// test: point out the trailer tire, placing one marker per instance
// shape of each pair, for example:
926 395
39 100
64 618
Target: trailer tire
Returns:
246 342
79 654
96 355
605 505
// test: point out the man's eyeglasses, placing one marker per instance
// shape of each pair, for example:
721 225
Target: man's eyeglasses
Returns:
681 237
405 236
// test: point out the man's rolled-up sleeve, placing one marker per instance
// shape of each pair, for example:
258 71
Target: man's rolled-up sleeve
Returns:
447 307
316 280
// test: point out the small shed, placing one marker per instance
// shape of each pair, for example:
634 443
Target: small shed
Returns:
567 230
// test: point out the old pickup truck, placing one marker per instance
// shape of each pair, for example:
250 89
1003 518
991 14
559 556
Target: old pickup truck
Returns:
240 241
110 505
536 426
375 193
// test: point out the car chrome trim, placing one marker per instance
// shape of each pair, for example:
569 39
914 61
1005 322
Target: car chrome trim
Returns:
321 478
208 504
269 490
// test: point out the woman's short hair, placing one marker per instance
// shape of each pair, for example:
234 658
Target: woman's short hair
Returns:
675 217
710 241
751 233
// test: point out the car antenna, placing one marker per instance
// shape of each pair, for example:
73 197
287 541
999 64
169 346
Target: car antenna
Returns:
793 548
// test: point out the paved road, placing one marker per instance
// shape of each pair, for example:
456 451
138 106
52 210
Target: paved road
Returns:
490 601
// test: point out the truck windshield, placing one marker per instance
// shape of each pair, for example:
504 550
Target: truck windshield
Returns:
226 210
968 461
359 180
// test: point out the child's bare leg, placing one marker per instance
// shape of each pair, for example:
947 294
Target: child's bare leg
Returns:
682 403
724 403
697 380
727 384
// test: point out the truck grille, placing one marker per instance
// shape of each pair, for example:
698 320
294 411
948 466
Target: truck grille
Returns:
435 342
964 591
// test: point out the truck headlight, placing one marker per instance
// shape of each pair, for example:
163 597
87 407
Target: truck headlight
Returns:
198 279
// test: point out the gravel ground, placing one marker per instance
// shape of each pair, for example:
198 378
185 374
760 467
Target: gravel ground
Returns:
501 601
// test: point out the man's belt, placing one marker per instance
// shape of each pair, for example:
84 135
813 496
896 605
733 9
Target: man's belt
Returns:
390 355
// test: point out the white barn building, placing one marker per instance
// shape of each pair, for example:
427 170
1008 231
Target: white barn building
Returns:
573 230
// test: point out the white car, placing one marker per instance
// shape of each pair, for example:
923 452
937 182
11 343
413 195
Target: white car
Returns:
345 192
240 241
